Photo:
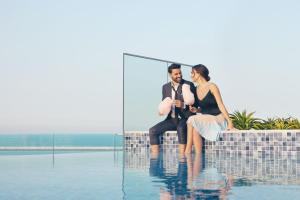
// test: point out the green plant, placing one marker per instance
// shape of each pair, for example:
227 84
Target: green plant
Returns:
245 121
286 123
268 124
294 123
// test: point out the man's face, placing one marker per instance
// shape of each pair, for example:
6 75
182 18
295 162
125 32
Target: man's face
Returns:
176 75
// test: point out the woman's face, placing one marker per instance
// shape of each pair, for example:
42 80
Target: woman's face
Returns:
194 75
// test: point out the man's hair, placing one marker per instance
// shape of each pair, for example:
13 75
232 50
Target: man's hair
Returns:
173 66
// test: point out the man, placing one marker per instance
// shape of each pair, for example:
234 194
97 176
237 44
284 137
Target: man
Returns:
175 120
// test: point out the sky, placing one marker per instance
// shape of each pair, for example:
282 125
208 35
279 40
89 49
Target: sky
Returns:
61 61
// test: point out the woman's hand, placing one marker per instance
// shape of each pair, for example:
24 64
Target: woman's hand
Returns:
230 126
193 109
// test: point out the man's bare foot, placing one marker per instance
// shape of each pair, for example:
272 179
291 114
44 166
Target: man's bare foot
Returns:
154 149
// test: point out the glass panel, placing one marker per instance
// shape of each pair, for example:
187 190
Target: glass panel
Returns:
143 81
59 141
186 72
26 140
87 140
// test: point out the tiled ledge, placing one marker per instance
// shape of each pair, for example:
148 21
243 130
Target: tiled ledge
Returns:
139 140
260 143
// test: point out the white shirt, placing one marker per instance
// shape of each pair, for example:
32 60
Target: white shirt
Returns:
175 87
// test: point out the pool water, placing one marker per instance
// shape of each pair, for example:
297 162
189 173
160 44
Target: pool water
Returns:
211 177
139 175
79 175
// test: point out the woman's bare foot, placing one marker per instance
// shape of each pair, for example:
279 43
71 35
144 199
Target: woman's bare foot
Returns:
188 150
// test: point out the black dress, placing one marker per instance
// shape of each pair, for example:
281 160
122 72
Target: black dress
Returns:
210 122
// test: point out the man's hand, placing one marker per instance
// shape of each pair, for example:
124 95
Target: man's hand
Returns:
178 103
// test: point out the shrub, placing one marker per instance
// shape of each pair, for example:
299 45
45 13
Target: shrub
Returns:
244 121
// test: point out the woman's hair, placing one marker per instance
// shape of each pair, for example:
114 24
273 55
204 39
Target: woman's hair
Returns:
202 70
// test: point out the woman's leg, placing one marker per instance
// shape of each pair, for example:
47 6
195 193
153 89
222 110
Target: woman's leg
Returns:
189 161
197 167
197 140
189 143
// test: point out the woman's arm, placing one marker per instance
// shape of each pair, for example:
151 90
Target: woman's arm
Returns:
216 92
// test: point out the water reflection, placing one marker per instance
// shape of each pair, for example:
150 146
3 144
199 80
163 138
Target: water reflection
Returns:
207 176
192 181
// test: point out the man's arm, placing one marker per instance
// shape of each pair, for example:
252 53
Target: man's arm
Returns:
164 93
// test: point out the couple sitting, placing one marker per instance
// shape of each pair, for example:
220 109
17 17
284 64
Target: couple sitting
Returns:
195 112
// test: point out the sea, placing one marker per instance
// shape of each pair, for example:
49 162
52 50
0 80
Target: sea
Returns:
61 140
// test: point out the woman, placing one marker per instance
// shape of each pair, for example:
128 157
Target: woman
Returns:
213 117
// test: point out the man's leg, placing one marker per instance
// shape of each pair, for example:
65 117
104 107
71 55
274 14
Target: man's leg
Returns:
157 130
182 135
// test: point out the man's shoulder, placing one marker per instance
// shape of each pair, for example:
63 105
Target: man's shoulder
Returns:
167 85
187 82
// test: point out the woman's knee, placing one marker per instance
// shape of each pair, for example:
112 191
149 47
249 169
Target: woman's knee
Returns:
190 119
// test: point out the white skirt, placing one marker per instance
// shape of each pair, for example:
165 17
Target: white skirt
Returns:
208 126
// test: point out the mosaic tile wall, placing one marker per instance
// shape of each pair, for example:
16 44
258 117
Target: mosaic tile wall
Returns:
257 143
270 143
139 140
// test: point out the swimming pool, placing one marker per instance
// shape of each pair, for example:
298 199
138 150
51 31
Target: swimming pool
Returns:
63 175
137 175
